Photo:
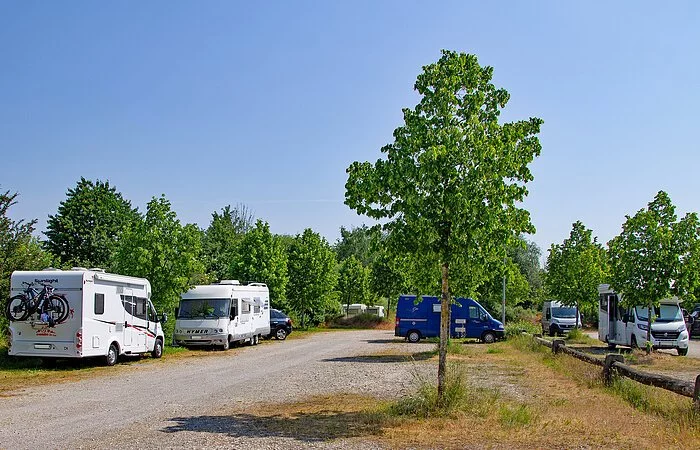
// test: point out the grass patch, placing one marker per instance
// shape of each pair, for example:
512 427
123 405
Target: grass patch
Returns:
516 416
494 350
576 336
516 329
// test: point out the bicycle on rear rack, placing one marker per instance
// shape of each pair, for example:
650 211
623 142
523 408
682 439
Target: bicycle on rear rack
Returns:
52 308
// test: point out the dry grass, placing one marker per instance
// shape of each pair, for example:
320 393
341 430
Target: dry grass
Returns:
543 401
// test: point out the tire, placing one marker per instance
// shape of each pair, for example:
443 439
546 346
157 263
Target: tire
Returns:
157 349
58 307
256 340
280 334
551 332
611 346
16 308
682 351
633 342
488 338
112 355
413 336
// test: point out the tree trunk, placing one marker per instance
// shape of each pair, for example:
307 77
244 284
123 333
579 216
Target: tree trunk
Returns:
576 327
444 332
648 342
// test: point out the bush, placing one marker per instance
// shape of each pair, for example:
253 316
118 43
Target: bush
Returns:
516 328
359 321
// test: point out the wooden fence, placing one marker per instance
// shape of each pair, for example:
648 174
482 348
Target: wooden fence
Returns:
613 364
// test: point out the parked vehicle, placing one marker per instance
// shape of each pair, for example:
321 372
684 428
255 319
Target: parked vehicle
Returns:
280 325
222 314
558 319
468 319
628 326
693 324
106 315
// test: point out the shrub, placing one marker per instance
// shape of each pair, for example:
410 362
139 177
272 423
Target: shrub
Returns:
516 328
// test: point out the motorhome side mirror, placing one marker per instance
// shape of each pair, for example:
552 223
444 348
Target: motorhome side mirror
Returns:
233 313
164 317
626 318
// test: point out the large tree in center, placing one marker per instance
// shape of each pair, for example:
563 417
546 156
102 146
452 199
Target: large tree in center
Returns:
449 185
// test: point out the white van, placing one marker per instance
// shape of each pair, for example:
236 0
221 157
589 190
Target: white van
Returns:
558 319
107 315
628 326
222 314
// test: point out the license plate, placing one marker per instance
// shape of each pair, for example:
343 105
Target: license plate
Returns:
196 337
42 346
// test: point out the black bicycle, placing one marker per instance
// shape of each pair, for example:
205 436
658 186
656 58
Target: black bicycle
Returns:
52 308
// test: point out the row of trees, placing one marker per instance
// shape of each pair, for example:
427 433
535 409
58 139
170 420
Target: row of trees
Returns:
656 256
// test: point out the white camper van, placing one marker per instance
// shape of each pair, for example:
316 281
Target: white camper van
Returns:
222 314
558 319
628 326
107 315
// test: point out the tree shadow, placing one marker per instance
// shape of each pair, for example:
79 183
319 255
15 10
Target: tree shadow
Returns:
306 427
385 341
400 358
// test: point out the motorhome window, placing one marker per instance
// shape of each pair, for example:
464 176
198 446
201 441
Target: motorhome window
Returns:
473 312
99 303
152 316
140 307
208 308
564 312
128 304
663 313
245 307
603 302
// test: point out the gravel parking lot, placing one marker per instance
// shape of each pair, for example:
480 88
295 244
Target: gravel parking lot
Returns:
183 403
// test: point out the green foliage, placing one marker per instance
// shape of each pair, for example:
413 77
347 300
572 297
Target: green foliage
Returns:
515 329
261 257
222 238
360 321
452 180
388 278
516 416
353 282
19 250
312 278
160 249
87 227
575 268
655 256
359 242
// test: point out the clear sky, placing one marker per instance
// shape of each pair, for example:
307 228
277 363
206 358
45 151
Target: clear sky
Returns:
267 103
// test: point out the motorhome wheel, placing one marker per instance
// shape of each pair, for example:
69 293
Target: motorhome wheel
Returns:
157 349
682 352
112 355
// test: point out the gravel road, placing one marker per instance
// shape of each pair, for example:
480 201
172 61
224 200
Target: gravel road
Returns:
183 403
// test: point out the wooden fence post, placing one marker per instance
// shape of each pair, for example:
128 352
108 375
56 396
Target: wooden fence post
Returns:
555 345
610 359
696 395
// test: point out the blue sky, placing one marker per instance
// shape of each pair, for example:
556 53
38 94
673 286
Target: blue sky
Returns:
216 103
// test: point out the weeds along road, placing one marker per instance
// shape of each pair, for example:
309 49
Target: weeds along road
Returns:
693 346
170 403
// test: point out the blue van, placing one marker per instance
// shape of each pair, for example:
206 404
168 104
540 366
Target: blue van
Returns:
468 319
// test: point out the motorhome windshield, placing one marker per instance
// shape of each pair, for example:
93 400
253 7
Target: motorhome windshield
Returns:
208 308
663 313
564 312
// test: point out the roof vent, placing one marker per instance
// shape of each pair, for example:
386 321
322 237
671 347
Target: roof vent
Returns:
79 269
49 269
97 269
233 282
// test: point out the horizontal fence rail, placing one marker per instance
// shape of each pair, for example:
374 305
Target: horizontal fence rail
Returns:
614 364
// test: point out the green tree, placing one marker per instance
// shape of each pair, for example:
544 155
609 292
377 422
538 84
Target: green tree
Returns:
19 250
222 238
388 278
655 256
312 277
353 282
452 180
262 257
359 242
575 269
162 250
87 227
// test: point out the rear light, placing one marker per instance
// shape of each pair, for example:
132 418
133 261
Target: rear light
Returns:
79 340
289 321
397 322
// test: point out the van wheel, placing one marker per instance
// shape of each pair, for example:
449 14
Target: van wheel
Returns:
413 336
112 355
488 338
682 351
551 332
633 342
157 349
611 346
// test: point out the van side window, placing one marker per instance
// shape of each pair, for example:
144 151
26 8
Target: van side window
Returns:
603 302
548 313
152 316
128 304
473 312
99 303
140 308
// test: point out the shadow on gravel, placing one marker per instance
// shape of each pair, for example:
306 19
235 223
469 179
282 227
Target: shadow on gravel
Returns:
385 341
306 427
420 356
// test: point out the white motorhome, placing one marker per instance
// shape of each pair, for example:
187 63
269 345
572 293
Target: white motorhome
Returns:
222 314
628 326
108 315
558 319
